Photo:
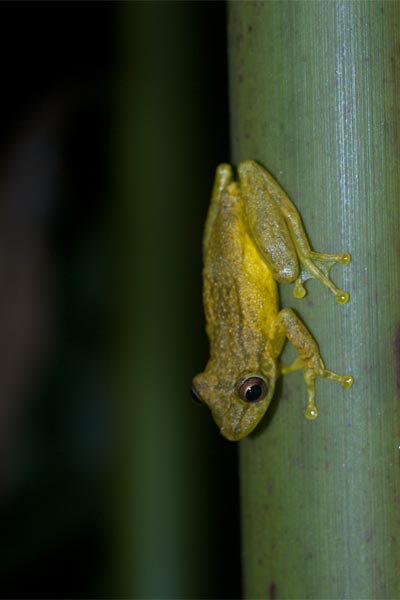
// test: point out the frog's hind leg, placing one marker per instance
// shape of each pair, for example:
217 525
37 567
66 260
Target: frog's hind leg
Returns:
223 178
289 326
312 264
316 265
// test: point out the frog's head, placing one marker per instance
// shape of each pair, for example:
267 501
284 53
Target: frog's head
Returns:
237 406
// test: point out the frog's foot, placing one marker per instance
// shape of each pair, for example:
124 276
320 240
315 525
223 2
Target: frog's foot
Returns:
316 265
314 368
309 376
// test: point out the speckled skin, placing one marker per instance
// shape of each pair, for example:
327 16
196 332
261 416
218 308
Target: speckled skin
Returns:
253 239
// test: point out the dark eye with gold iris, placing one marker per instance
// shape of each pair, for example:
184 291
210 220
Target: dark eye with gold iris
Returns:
253 389
196 397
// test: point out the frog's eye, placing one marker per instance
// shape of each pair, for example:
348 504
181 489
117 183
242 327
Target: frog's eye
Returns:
196 397
253 389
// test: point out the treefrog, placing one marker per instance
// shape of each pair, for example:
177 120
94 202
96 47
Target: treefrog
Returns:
254 239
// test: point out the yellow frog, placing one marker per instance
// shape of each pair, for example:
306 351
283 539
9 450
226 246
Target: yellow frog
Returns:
253 239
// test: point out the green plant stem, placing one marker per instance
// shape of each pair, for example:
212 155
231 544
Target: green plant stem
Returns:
315 98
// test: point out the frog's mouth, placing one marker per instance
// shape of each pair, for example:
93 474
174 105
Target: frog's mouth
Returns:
242 420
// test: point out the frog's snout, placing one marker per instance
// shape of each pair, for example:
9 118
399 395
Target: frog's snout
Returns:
230 436
234 434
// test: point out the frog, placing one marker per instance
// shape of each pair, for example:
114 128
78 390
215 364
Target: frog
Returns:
254 240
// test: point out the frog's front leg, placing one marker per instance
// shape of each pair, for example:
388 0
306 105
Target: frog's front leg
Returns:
278 232
288 325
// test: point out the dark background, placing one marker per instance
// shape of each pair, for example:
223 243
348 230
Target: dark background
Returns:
64 69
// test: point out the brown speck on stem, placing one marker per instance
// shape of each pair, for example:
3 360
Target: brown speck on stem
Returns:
396 346
272 592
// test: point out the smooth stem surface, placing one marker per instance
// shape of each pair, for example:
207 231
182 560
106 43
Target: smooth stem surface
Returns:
314 97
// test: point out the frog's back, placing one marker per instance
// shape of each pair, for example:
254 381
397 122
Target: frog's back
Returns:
240 294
